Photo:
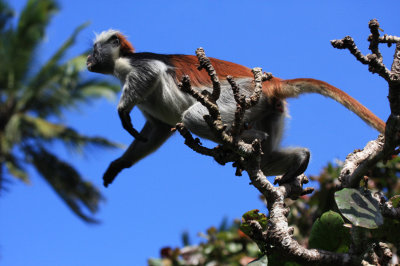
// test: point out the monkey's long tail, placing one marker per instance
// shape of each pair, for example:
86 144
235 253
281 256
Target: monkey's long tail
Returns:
295 87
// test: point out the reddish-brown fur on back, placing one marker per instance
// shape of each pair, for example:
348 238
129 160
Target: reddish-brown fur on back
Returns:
126 46
187 65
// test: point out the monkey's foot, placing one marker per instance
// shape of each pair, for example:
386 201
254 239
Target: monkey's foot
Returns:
112 171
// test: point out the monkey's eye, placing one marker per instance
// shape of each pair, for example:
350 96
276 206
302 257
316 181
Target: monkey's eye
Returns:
114 40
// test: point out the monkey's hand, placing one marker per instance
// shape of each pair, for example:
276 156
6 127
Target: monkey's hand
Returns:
113 170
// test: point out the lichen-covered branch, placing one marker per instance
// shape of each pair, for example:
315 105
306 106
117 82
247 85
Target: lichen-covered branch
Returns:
359 162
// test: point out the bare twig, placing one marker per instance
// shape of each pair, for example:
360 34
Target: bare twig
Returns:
348 43
206 64
374 38
388 39
374 60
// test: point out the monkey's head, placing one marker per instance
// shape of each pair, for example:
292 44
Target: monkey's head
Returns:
107 48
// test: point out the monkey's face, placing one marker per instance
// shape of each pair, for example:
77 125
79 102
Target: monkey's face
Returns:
105 52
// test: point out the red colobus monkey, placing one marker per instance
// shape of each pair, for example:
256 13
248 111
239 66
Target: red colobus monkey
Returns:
150 81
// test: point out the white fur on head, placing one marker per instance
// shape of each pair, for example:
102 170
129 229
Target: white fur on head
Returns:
105 35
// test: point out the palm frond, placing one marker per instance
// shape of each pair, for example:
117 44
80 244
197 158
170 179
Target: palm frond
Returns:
48 71
43 130
12 134
97 89
67 183
6 13
29 33
15 168
64 89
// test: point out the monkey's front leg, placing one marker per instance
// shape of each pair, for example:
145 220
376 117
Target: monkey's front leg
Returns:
124 115
134 91
156 133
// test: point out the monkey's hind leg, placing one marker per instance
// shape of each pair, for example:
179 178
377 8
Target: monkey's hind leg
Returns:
289 162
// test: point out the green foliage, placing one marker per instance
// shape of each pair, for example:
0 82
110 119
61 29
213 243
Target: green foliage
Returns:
33 99
222 247
360 208
395 200
316 220
329 233
385 177
253 215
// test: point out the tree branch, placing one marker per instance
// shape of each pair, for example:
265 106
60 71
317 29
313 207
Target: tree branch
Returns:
359 162
278 235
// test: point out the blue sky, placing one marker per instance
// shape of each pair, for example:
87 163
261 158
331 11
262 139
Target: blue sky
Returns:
176 190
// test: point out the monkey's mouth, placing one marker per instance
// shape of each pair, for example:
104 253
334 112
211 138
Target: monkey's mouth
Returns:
89 63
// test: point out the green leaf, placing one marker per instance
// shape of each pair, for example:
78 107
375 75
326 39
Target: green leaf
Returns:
328 233
361 209
395 200
255 216
263 261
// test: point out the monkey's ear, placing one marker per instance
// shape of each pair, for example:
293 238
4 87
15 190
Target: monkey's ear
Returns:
126 46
